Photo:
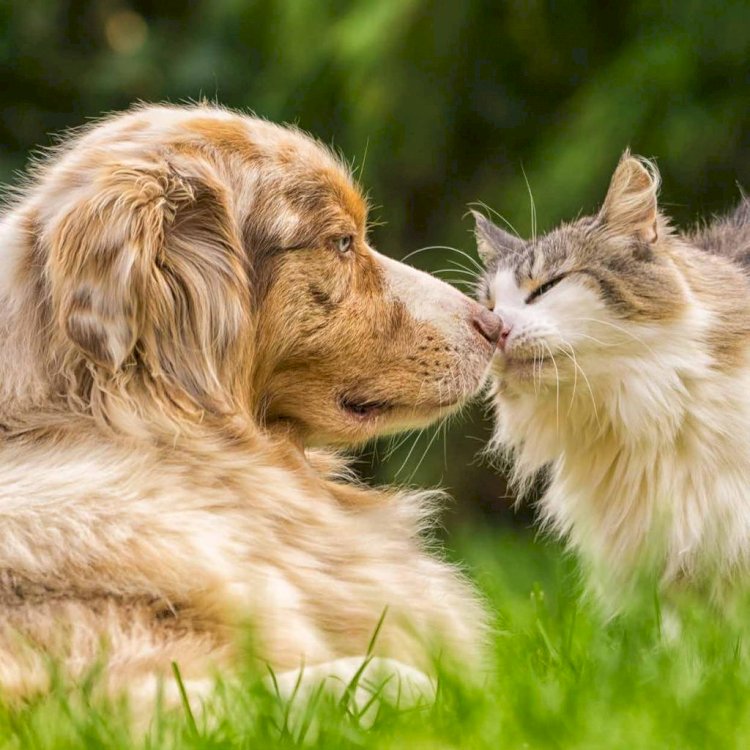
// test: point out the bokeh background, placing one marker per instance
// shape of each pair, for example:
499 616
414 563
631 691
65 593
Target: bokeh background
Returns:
437 104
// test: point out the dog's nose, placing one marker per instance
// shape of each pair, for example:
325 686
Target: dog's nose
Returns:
488 325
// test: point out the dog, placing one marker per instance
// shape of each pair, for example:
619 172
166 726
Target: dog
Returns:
191 319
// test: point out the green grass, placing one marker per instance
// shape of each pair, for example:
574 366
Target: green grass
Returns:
562 678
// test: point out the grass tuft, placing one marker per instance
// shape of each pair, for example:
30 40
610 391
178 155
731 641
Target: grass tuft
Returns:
563 677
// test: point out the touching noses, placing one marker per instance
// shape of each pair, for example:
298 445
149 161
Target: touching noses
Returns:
504 333
488 325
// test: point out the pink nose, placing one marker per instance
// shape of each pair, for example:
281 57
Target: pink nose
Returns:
488 325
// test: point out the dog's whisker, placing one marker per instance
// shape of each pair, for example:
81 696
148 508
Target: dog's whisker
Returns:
436 432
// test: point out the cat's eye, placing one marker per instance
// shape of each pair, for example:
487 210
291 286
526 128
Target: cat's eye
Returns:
344 244
544 288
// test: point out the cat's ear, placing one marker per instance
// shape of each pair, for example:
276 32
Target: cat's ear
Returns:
631 207
493 242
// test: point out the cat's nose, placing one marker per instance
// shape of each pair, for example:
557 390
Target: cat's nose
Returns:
488 325
503 336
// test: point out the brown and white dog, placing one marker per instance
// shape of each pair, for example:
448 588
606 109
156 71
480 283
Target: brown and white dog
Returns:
188 303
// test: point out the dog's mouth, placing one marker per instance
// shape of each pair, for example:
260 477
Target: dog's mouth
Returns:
364 409
367 410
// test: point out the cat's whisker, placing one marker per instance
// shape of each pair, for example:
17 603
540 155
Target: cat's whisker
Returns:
475 263
454 279
533 370
532 205
621 329
455 282
557 386
588 384
596 340
572 358
492 211
575 384
418 251
466 271
542 360
537 382
460 266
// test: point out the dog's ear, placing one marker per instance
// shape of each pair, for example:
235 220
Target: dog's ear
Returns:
146 264
102 250
197 305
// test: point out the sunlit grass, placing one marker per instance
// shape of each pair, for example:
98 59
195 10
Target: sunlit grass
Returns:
561 677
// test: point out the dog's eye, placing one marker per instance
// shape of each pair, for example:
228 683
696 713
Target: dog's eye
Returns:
344 244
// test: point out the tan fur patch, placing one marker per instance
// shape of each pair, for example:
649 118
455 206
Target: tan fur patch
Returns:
181 325
232 136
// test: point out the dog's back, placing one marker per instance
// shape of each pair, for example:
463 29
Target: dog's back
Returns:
157 561
189 299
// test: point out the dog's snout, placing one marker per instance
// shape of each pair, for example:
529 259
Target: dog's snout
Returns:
488 325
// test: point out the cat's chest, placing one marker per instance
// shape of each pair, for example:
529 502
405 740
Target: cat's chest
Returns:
687 502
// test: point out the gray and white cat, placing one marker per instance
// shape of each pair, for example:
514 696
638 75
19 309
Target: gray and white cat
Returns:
624 367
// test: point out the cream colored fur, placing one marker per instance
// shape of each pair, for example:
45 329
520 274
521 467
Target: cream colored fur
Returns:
178 321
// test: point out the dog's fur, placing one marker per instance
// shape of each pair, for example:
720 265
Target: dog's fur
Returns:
187 303
626 369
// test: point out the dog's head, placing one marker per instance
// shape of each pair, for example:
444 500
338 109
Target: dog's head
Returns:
216 264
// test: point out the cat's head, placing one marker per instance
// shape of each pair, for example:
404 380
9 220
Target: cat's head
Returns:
589 294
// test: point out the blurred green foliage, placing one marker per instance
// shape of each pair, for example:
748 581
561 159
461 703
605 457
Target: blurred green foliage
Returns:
437 104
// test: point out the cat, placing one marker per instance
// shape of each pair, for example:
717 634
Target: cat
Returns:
624 369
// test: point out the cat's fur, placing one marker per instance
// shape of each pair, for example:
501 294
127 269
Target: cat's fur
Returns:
629 377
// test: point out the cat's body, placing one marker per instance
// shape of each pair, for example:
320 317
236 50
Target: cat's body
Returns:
626 370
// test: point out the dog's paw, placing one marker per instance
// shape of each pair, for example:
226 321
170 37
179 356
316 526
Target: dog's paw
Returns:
363 684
